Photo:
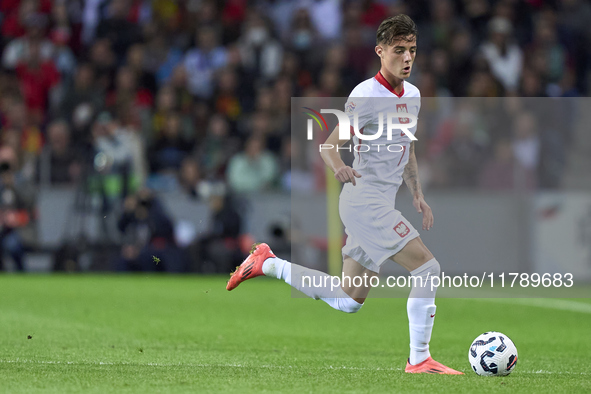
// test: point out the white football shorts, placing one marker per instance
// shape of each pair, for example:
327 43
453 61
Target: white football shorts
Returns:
375 231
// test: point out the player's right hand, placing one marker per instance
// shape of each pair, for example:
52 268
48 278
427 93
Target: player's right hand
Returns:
346 174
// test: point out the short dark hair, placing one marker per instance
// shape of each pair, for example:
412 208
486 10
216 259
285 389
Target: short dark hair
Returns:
394 28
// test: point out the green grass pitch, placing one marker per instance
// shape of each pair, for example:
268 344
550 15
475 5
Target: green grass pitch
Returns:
144 334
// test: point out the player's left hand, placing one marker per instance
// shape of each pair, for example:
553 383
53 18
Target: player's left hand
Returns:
422 207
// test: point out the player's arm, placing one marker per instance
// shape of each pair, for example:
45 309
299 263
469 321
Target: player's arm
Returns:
332 158
411 178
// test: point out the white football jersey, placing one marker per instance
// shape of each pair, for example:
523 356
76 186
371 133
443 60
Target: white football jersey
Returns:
380 161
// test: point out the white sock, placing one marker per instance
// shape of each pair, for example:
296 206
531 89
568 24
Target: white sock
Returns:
421 310
317 285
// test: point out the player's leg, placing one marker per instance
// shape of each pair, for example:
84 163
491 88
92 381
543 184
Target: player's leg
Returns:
417 259
313 283
352 269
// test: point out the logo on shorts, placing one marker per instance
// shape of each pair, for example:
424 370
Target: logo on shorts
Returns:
401 229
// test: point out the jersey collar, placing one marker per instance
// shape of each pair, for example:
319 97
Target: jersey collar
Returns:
380 78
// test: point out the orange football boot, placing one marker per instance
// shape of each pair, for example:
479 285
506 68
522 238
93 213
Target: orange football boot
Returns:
251 267
430 366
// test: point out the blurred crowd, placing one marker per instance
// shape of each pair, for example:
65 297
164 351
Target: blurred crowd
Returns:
185 92
184 95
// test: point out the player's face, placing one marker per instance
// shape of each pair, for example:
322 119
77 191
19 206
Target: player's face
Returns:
399 57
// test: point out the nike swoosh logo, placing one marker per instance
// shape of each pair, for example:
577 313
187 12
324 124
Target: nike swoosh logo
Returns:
432 315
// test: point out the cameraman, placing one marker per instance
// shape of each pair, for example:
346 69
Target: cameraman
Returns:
148 236
16 206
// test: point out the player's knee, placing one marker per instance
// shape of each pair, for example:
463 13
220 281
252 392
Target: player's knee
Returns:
349 305
435 268
425 255
431 267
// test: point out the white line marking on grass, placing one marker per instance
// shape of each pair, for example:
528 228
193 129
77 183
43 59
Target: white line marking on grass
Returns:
17 361
550 303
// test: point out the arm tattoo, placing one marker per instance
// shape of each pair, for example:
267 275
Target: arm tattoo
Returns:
411 172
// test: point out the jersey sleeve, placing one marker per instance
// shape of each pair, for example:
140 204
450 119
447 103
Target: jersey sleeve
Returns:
360 108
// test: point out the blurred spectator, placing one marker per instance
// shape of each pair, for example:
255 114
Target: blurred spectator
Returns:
302 36
219 249
179 82
439 66
104 62
573 19
442 25
92 14
526 142
294 175
373 13
166 105
335 62
58 164
283 91
545 54
170 148
16 208
15 15
120 150
118 29
483 84
327 17
526 150
136 61
233 16
428 86
504 57
148 236
458 141
25 135
161 58
567 86
261 54
167 14
18 51
253 170
127 92
330 84
61 35
81 103
190 178
460 62
359 53
498 173
260 124
201 115
227 101
531 84
203 61
37 77
217 148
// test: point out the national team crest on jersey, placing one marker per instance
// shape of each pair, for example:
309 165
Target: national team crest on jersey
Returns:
402 108
402 229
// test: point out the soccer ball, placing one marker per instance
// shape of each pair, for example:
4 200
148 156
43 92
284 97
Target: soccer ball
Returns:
492 354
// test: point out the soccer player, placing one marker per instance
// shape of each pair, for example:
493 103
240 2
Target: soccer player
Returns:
376 231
